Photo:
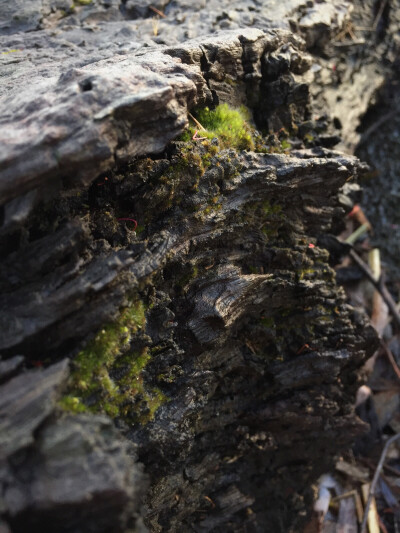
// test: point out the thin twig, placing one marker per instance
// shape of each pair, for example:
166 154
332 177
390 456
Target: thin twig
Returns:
379 285
375 480
351 239
158 12
348 43
351 32
196 122
347 30
197 138
379 14
384 118
363 28
357 501
391 358
358 214
388 468
392 470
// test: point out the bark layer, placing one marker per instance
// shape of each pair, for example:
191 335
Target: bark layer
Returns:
214 336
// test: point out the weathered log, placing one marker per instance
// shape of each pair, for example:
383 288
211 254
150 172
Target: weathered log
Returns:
215 335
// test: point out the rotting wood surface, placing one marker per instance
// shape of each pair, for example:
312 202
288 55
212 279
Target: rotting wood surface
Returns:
228 353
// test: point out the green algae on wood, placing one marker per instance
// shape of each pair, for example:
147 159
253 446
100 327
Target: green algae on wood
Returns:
107 373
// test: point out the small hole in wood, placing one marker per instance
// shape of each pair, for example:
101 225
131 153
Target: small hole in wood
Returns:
86 85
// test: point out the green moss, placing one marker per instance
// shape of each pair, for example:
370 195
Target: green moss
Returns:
210 151
213 206
181 178
271 209
13 50
229 125
191 162
178 182
317 271
267 322
102 351
268 217
308 140
230 81
273 143
72 404
306 273
186 136
272 218
92 386
189 272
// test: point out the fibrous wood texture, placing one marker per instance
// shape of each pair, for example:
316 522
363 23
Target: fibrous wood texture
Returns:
214 336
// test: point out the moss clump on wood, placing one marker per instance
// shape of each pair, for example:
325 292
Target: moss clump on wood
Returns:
233 129
230 126
107 373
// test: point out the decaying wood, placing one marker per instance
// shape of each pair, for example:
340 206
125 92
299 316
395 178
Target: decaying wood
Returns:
248 349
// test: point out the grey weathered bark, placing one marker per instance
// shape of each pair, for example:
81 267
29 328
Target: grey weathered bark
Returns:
229 362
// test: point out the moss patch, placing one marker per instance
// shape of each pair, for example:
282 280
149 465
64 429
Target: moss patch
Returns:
107 374
230 126
273 143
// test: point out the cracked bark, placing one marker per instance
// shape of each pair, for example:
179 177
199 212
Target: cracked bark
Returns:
232 291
